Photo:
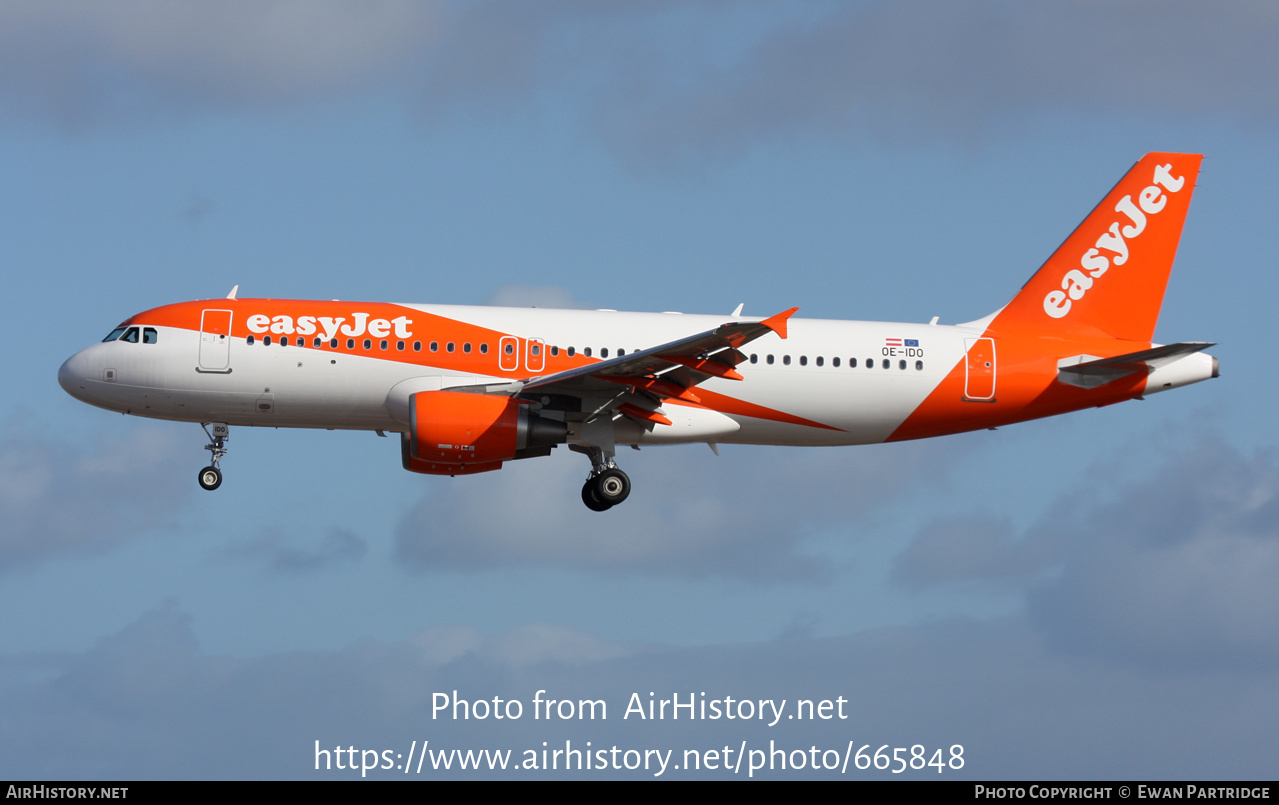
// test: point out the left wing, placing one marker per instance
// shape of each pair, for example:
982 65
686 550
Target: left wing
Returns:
686 362
635 384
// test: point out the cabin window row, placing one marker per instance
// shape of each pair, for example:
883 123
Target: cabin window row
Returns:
820 360
535 349
367 343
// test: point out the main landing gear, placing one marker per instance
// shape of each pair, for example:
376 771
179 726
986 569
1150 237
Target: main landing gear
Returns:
211 477
607 485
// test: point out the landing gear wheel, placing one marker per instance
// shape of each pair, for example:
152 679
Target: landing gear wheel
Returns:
592 502
210 478
612 486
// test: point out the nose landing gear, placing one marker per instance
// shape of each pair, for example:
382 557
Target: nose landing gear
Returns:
210 477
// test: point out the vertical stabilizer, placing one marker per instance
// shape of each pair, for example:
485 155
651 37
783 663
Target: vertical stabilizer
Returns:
1109 276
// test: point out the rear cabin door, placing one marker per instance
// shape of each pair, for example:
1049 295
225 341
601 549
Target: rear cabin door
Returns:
979 382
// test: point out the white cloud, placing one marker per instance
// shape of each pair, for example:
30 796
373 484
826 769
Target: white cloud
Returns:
58 499
935 69
78 60
544 296
147 703
1173 569
745 513
286 552
659 79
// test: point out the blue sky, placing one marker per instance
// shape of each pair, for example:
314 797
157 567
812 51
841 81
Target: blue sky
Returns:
1089 596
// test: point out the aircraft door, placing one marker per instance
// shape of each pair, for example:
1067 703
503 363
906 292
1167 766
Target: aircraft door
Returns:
535 360
979 380
215 341
508 353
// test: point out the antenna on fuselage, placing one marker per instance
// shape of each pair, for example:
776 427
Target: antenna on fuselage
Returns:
233 290
738 312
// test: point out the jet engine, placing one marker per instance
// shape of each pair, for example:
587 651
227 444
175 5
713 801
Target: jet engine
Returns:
455 433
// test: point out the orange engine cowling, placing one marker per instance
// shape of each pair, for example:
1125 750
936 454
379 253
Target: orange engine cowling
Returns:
454 433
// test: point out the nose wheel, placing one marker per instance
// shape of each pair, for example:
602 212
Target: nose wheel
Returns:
210 477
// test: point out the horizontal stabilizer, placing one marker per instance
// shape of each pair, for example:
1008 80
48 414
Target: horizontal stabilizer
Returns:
1088 372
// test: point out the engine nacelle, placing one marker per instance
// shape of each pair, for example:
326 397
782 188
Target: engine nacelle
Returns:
454 433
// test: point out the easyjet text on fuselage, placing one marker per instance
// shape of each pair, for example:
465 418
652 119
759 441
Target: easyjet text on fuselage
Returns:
330 326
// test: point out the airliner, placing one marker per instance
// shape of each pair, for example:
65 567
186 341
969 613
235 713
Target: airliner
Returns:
470 388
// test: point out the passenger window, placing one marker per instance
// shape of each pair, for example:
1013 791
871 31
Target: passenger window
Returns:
786 360
803 360
571 351
435 346
317 342
383 344
399 346
587 352
484 349
834 362
467 348
450 346
250 340
350 343
334 343
417 346
266 340
533 349
919 366
113 335
368 343
604 352
887 363
555 352
901 364
149 335
509 349
769 359
754 358
284 342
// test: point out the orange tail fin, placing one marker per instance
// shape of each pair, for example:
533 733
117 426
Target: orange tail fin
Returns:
1109 276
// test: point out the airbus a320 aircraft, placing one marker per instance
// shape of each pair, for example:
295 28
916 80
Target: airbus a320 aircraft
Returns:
469 388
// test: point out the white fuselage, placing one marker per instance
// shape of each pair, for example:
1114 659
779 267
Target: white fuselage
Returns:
842 374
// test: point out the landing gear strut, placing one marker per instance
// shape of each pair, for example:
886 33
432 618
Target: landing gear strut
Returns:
211 476
607 485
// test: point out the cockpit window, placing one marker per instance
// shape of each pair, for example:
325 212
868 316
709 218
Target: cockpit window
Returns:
114 334
149 335
131 336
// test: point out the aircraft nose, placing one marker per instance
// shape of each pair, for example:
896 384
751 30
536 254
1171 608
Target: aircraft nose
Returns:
72 375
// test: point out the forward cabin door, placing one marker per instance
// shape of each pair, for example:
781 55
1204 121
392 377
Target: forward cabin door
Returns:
215 341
